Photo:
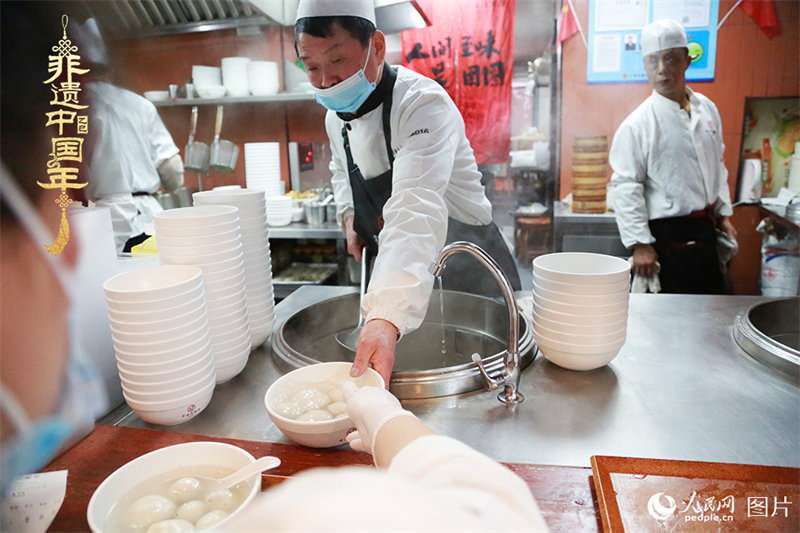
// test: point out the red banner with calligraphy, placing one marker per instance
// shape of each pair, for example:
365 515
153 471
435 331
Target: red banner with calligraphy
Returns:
469 50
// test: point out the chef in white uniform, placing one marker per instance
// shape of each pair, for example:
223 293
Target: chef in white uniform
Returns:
671 194
134 154
404 174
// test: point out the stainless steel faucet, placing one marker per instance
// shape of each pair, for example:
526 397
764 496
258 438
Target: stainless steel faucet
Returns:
510 380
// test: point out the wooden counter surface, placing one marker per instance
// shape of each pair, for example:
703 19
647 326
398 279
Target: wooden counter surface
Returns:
565 495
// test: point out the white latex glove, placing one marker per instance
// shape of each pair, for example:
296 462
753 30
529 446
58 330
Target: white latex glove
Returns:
369 408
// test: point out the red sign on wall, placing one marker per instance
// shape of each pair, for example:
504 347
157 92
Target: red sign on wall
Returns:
469 50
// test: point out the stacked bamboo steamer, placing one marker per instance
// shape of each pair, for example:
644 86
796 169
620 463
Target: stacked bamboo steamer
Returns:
589 174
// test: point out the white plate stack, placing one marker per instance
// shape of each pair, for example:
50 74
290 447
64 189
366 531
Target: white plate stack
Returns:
234 76
262 164
256 254
263 78
580 308
161 337
279 210
208 237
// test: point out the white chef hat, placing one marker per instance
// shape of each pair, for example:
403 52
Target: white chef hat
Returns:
662 35
336 8
90 43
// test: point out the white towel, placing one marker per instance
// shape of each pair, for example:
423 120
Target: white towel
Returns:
642 284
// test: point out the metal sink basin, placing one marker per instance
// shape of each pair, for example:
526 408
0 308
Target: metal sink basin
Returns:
422 368
770 333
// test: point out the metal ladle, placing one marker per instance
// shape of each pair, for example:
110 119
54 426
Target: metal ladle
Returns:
350 339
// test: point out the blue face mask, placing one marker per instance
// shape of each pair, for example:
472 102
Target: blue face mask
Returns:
349 95
83 396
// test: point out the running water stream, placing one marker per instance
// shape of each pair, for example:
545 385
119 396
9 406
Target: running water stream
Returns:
441 313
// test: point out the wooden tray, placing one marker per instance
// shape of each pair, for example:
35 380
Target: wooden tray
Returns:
651 495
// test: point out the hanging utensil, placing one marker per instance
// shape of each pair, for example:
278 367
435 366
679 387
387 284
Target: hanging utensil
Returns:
197 153
349 339
223 153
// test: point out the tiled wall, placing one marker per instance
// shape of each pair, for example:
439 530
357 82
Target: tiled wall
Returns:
748 64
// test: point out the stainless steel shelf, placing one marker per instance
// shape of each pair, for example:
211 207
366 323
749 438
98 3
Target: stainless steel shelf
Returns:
302 230
273 99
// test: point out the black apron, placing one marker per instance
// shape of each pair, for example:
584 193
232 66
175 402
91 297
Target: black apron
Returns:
462 272
687 251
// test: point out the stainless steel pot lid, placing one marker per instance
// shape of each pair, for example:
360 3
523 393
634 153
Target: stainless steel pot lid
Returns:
770 333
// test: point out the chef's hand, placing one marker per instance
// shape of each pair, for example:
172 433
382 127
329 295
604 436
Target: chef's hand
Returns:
369 408
354 242
726 226
644 260
376 345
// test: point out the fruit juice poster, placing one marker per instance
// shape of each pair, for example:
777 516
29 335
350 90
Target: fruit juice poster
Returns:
615 28
769 133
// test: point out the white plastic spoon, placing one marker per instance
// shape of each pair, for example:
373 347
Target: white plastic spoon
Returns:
260 465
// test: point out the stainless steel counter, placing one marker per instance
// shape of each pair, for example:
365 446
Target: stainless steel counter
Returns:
680 389
303 230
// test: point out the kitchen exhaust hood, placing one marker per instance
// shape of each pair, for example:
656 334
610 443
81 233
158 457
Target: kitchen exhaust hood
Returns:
146 18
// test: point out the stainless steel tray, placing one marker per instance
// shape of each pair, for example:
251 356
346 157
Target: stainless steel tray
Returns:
297 275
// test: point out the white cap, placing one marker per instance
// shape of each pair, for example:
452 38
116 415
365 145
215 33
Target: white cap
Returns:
336 8
90 43
662 35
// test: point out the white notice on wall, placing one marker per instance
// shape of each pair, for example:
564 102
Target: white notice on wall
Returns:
607 52
690 13
617 15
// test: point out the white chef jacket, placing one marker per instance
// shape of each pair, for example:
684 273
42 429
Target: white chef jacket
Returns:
434 484
435 176
667 164
132 142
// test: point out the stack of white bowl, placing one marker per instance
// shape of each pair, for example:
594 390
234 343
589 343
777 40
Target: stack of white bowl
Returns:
262 164
161 337
234 75
256 255
208 237
279 210
208 81
580 308
263 78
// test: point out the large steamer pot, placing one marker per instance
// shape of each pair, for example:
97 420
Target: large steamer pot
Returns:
473 324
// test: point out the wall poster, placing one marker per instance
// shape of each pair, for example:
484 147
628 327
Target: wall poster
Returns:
615 28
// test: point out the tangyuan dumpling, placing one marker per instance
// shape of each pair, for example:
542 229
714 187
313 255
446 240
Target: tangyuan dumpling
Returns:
336 395
171 526
343 415
191 511
211 519
289 410
310 400
317 415
221 500
337 408
148 510
185 489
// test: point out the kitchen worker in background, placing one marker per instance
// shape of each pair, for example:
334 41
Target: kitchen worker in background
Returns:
404 175
424 482
134 154
671 194
49 392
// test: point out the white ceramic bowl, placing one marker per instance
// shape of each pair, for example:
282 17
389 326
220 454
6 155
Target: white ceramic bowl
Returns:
225 347
315 434
256 229
280 220
159 337
211 91
204 259
577 338
174 412
203 215
243 204
199 302
234 309
260 307
581 268
162 352
157 372
195 231
572 361
583 329
225 301
180 456
585 288
205 240
227 335
221 265
160 342
228 372
157 326
173 384
199 384
149 306
203 76
260 321
156 96
203 249
583 299
253 222
222 327
153 283
234 281
579 309
231 354
209 277
580 320
255 242
229 195
224 292
578 349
